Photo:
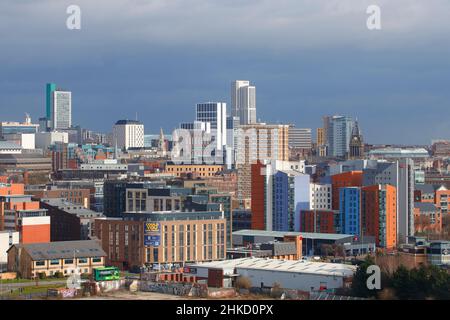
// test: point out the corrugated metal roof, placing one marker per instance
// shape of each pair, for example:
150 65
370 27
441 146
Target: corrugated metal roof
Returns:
9 145
295 266
280 234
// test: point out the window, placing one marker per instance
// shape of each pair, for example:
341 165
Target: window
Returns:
40 263
54 262
82 260
68 261
95 260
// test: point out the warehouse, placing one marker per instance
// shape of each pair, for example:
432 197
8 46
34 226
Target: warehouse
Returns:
264 273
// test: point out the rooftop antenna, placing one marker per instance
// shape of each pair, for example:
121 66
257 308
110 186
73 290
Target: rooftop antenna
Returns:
136 116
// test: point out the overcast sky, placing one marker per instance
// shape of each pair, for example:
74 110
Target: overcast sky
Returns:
307 58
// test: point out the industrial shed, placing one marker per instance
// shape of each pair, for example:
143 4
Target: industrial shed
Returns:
290 274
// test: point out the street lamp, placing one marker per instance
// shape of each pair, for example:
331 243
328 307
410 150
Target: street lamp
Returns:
74 260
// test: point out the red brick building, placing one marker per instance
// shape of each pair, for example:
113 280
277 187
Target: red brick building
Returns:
77 196
325 221
258 196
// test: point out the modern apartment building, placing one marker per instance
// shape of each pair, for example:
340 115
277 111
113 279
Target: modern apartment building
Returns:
128 134
214 113
338 130
259 142
379 214
290 195
155 239
345 179
350 210
320 196
61 109
399 174
300 138
277 197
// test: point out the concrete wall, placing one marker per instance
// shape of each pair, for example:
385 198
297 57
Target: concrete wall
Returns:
290 280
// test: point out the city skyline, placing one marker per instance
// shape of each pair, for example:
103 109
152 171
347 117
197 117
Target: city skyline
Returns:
152 64
239 150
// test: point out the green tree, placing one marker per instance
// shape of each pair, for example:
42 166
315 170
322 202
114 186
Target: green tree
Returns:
402 283
440 283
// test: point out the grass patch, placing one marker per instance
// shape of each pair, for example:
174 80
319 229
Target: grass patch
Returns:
6 281
33 290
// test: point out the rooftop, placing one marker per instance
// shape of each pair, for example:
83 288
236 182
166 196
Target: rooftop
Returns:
63 249
425 206
400 151
295 266
425 188
281 234
123 122
70 207
9 145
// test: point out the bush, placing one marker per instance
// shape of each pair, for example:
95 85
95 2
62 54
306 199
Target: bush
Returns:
276 291
59 275
85 276
42 275
243 283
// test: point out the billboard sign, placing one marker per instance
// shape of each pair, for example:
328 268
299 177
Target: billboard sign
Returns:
152 234
152 227
152 241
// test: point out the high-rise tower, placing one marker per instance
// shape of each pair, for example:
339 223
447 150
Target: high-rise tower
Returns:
243 101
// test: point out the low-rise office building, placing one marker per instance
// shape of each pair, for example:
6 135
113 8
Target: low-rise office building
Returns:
312 243
289 249
28 260
439 253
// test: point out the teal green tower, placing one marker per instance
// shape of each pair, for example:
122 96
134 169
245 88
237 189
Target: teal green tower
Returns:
51 87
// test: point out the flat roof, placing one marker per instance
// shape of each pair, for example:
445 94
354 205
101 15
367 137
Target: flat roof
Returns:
281 234
70 207
293 266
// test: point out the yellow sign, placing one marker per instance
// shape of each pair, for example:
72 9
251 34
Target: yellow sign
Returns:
151 227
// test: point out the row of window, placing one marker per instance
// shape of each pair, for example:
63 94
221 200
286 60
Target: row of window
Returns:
54 262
